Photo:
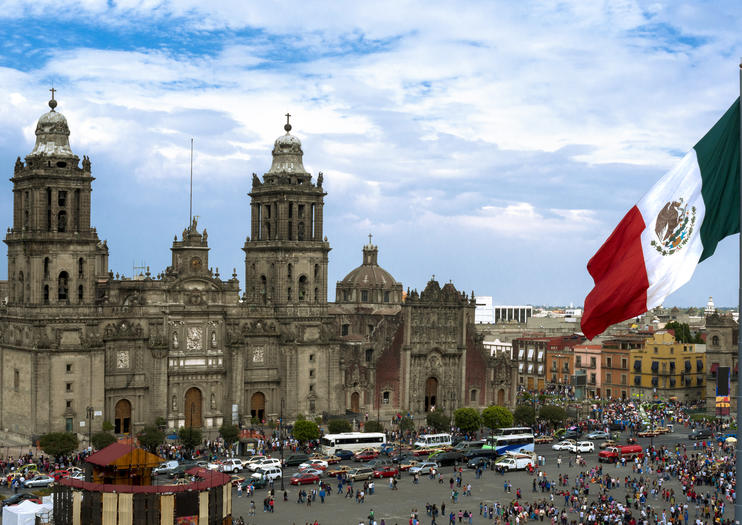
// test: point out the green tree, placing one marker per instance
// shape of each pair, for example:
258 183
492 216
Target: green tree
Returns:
336 426
406 424
107 426
305 430
682 332
229 433
58 444
497 417
438 420
151 437
102 440
190 437
552 414
161 423
467 419
524 415
373 426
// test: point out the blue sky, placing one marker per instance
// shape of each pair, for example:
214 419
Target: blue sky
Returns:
494 144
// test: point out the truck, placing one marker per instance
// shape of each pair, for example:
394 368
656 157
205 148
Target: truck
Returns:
614 454
511 461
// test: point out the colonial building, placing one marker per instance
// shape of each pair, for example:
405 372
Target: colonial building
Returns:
722 366
198 349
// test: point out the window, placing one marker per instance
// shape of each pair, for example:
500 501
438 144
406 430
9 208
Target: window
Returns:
288 293
68 404
62 284
46 267
593 362
369 355
62 198
81 267
637 380
566 366
578 361
386 297
473 396
609 393
370 328
311 357
344 330
530 354
345 296
540 355
521 353
303 288
62 221
16 379
68 367
608 362
655 366
655 349
638 365
592 379
553 378
68 387
364 296
312 405
311 372
46 294
68 424
608 378
80 293
715 340
624 363
623 379
311 388
385 398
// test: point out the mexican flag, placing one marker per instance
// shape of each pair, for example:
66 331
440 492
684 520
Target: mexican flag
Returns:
678 223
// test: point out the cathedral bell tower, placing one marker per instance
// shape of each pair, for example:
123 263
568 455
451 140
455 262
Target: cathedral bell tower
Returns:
54 256
286 253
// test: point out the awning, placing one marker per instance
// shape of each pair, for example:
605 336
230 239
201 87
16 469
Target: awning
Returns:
688 366
637 380
655 366
637 365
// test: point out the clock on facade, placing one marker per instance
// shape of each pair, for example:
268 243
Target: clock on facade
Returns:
122 359
196 264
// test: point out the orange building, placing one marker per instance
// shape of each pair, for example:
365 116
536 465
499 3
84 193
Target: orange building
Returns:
560 359
615 371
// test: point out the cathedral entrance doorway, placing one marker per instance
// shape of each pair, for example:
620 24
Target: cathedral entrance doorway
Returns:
257 406
501 397
355 402
122 418
431 393
192 408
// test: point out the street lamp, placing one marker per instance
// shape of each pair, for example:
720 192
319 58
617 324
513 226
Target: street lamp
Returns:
89 411
280 441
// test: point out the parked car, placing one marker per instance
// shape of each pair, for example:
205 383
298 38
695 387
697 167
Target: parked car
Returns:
315 464
361 473
598 434
257 483
378 462
304 478
424 467
294 460
478 462
344 454
488 453
701 433
366 455
231 465
386 471
572 434
447 458
341 469
60 474
270 473
41 480
407 465
20 498
607 443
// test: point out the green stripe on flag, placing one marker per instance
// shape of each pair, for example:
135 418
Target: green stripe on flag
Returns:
718 161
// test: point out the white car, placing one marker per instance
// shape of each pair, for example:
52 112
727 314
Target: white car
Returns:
424 468
269 473
265 463
254 459
315 464
582 446
231 465
563 445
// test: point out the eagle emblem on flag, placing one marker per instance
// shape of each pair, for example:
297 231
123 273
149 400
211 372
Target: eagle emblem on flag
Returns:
673 226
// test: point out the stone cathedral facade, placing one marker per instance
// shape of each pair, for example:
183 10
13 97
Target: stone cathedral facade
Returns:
199 349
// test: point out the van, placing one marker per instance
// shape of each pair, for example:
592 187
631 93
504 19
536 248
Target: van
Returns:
360 474
269 473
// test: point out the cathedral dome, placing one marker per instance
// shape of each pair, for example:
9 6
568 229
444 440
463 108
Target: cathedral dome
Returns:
287 153
52 134
369 283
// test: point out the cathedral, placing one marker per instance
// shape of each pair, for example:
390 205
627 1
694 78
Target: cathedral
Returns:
80 346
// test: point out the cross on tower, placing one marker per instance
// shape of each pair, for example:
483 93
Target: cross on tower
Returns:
369 238
288 116
53 91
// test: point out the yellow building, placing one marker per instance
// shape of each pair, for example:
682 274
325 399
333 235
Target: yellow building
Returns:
664 369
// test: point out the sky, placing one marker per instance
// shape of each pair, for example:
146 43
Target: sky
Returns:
492 144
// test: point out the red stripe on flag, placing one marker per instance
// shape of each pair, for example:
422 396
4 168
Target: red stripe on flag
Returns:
620 277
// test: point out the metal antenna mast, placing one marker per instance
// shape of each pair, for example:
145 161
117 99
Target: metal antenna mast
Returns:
190 202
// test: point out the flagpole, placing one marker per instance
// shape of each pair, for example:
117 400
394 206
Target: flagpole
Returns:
738 445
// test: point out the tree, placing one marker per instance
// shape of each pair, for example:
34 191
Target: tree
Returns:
305 430
152 437
58 444
229 433
552 414
406 424
438 420
524 415
102 440
190 437
373 426
682 333
336 426
107 426
467 419
497 417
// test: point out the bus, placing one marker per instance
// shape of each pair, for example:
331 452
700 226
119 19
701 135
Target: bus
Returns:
510 443
433 440
353 441
509 431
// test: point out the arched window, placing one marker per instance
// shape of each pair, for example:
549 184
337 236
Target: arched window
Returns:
473 396
46 267
21 287
316 295
63 287
369 355
81 267
290 270
300 231
62 221
316 271
80 293
715 340
264 288
303 288
46 294
288 294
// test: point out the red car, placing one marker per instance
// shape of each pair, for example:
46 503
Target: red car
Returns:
60 474
386 472
304 478
365 455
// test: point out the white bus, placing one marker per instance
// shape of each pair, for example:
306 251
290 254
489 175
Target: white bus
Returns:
510 443
353 441
509 431
433 440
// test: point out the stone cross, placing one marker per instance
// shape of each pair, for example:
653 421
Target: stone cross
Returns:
288 115
53 91
369 239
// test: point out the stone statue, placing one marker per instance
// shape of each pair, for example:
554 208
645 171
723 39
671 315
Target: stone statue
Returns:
175 339
255 180
85 163
320 178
